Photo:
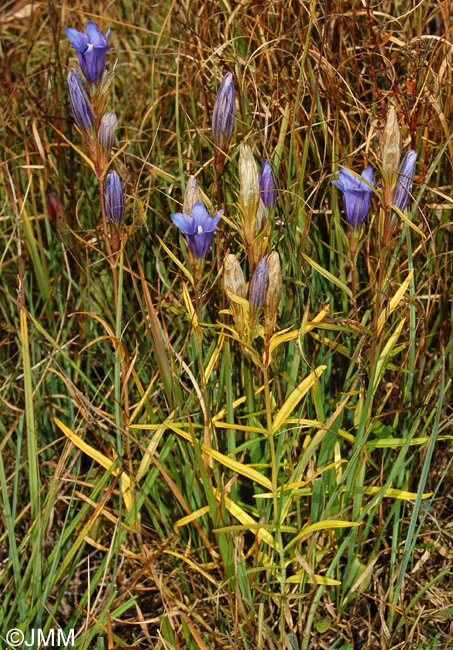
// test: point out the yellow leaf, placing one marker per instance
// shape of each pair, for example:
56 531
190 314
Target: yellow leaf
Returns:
328 524
406 219
244 518
328 275
394 302
102 460
193 515
176 261
321 580
295 397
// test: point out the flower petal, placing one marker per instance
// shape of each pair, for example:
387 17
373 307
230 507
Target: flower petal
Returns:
185 223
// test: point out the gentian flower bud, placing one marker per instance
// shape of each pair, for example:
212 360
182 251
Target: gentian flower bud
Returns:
114 198
106 130
356 195
91 46
249 193
192 195
80 104
198 229
224 114
267 185
403 187
258 288
234 281
274 290
390 154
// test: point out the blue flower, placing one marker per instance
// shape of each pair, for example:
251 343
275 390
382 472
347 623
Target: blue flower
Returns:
267 185
80 104
224 114
198 229
114 198
356 195
403 187
91 46
258 287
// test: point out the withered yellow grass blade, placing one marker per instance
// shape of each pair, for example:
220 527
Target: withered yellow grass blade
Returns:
327 275
104 512
193 515
392 443
406 219
322 525
320 580
244 518
396 494
394 302
176 261
100 459
143 398
189 305
193 565
295 397
213 359
239 468
239 427
332 344
385 353
79 151
151 449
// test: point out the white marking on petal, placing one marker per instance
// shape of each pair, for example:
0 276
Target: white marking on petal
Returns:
89 47
200 230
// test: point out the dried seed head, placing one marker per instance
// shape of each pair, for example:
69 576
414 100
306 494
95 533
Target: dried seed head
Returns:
192 195
249 195
234 282
261 217
390 151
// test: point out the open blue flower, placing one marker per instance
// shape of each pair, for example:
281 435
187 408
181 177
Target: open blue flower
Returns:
91 46
198 229
356 195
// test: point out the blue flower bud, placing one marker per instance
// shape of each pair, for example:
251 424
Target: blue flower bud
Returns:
198 228
224 114
106 130
403 187
91 46
356 195
114 198
258 288
80 104
267 185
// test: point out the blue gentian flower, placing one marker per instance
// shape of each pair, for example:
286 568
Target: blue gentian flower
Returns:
224 114
403 187
356 195
114 198
258 287
80 104
267 185
198 229
91 46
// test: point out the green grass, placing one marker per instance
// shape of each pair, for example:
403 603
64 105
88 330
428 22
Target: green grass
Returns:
159 487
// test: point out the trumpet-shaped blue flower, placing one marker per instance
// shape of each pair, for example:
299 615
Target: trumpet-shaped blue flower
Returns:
91 46
198 229
224 114
356 195
267 185
79 101
403 187
114 197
